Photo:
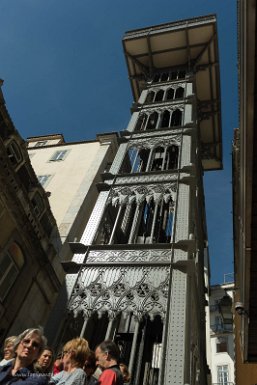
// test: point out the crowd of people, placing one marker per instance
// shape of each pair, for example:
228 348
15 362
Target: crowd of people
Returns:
27 360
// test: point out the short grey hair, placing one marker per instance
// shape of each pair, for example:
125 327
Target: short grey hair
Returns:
28 332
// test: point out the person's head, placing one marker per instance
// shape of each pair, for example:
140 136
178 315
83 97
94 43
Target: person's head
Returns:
45 359
90 364
124 371
107 354
75 352
29 345
8 347
58 365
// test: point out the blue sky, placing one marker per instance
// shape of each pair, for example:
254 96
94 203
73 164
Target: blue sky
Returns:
64 72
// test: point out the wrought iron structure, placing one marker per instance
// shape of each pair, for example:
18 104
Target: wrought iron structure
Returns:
138 272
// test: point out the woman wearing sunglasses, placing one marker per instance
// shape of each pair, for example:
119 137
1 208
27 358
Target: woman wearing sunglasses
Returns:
27 348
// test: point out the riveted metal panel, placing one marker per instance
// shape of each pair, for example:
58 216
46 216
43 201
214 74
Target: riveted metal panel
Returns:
182 213
186 151
180 255
92 225
142 96
118 158
70 281
175 347
188 114
132 122
189 89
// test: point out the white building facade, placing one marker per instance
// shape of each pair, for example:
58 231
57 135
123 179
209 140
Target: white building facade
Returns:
222 335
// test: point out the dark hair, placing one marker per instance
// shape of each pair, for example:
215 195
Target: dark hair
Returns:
58 356
90 361
111 348
125 372
48 369
50 350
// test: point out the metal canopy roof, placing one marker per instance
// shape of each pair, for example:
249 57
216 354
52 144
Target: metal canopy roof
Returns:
191 44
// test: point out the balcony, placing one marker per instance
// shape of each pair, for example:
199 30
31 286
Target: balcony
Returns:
223 383
222 328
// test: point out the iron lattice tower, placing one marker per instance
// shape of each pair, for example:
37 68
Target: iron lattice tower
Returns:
142 259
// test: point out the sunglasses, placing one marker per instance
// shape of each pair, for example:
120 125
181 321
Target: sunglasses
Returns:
28 342
66 352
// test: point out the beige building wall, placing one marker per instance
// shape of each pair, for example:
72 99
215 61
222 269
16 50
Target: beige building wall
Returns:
69 173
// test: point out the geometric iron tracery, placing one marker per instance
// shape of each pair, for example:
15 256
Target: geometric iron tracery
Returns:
133 290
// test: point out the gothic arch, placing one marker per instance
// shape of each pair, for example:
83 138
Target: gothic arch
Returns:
176 119
179 93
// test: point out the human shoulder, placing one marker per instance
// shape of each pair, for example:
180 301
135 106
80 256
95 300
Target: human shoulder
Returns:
79 373
36 379
92 381
5 371
6 362
108 377
23 376
74 378
29 377
55 379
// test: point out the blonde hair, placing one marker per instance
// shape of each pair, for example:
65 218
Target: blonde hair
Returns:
80 349
9 340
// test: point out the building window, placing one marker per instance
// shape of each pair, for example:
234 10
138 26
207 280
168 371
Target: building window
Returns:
222 374
137 222
14 153
138 159
59 155
218 325
152 120
176 118
43 179
161 159
169 76
155 120
165 119
38 204
170 94
150 97
222 344
140 126
159 96
11 262
41 143
179 93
